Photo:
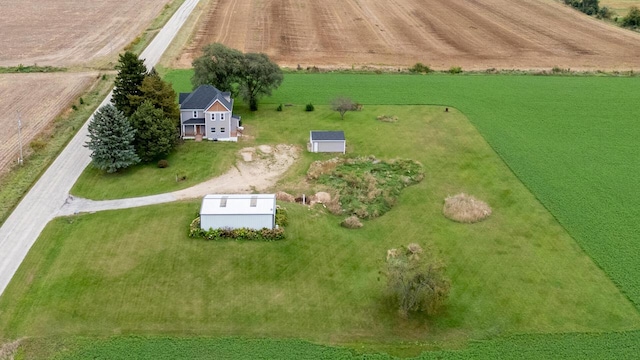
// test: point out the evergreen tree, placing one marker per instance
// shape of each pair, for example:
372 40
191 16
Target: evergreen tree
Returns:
111 140
156 134
131 74
160 94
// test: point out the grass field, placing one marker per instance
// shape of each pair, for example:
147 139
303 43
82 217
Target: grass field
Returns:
571 140
517 272
197 161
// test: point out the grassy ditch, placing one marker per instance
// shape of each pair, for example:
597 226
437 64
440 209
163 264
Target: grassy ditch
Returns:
15 183
139 43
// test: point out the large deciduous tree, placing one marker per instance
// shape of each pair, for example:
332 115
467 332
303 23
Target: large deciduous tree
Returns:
259 76
131 74
111 139
415 281
248 75
156 134
219 66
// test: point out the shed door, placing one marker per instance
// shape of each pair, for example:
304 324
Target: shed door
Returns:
315 147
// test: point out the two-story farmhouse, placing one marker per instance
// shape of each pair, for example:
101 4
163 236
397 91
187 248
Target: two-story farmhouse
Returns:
207 113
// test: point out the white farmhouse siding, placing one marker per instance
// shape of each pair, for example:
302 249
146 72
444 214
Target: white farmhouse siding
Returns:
253 211
327 141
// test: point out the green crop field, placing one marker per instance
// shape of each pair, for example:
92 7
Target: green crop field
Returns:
568 139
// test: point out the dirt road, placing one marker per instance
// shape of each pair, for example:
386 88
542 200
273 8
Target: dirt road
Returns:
49 194
473 34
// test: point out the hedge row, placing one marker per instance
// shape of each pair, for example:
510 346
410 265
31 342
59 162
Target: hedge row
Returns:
264 234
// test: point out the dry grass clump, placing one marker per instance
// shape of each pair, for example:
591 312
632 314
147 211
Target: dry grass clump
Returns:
286 197
465 208
319 168
352 222
8 350
388 118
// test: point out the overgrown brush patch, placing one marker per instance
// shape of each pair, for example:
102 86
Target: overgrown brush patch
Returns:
367 187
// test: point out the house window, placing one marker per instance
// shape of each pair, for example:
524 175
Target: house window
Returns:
213 130
221 129
213 117
222 117
195 114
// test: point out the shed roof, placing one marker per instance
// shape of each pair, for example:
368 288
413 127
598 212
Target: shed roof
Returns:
239 204
317 135
203 97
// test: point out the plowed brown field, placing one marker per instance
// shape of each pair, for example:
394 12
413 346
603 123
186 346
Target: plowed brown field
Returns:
473 34
39 98
62 32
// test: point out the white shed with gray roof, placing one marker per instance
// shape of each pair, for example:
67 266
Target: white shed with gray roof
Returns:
327 141
253 211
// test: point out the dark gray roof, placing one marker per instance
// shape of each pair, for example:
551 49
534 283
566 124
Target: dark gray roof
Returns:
203 97
194 121
327 135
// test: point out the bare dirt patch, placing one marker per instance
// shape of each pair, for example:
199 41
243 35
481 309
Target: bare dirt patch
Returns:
477 34
39 98
254 174
57 32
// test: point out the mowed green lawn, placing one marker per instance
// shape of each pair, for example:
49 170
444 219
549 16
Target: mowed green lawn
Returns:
136 272
573 141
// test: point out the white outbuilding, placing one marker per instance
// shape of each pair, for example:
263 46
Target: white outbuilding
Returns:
253 211
327 141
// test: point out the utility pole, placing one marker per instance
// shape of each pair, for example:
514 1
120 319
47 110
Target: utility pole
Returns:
20 159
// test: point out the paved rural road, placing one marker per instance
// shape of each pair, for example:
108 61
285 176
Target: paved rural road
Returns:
44 201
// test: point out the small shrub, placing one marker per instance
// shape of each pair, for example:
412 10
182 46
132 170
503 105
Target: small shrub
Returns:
388 118
281 216
104 76
416 281
81 101
38 144
632 20
234 234
352 222
163 164
455 70
279 108
420 68
74 107
309 107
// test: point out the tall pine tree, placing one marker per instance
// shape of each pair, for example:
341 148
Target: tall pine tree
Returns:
111 139
156 135
131 74
160 94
